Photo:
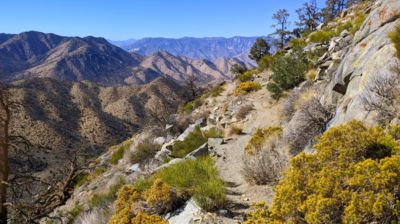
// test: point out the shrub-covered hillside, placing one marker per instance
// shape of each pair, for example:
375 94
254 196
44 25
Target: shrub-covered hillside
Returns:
310 135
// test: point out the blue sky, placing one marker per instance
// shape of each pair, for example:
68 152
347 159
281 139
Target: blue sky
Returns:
124 19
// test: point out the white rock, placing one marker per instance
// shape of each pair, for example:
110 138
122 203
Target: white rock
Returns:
159 140
134 168
190 212
168 126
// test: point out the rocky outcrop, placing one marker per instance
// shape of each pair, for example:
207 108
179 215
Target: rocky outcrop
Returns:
369 55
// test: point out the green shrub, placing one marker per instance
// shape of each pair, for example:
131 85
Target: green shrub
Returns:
358 21
213 133
353 178
246 76
275 90
142 184
297 42
320 36
395 38
190 106
216 91
345 26
194 140
316 54
144 151
75 211
238 69
118 154
288 71
98 200
87 177
200 179
265 63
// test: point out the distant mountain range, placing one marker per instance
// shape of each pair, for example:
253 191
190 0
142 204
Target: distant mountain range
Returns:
34 54
209 48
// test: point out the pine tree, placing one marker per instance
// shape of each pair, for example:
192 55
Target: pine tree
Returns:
259 49
281 17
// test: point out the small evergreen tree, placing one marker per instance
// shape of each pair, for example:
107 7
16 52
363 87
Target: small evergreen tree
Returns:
288 71
238 69
259 49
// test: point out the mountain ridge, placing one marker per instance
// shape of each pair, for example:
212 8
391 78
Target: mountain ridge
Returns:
212 48
35 54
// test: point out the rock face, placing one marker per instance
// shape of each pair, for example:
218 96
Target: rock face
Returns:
370 55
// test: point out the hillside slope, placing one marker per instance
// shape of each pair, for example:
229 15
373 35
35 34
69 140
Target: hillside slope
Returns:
58 118
262 135
35 54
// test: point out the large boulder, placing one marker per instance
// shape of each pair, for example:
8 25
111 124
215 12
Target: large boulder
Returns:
371 56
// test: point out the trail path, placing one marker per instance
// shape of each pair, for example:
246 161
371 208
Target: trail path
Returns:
241 195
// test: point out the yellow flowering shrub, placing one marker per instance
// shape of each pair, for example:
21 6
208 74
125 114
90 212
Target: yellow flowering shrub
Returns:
160 195
246 87
127 197
123 216
354 177
259 214
143 218
126 206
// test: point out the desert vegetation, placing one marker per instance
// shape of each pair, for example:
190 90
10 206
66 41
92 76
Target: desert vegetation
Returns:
144 151
118 152
264 158
308 122
235 130
201 180
105 198
194 140
381 94
395 38
352 178
167 189
247 87
243 111
288 71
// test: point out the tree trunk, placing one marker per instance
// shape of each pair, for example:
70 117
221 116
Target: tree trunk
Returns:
3 184
5 116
